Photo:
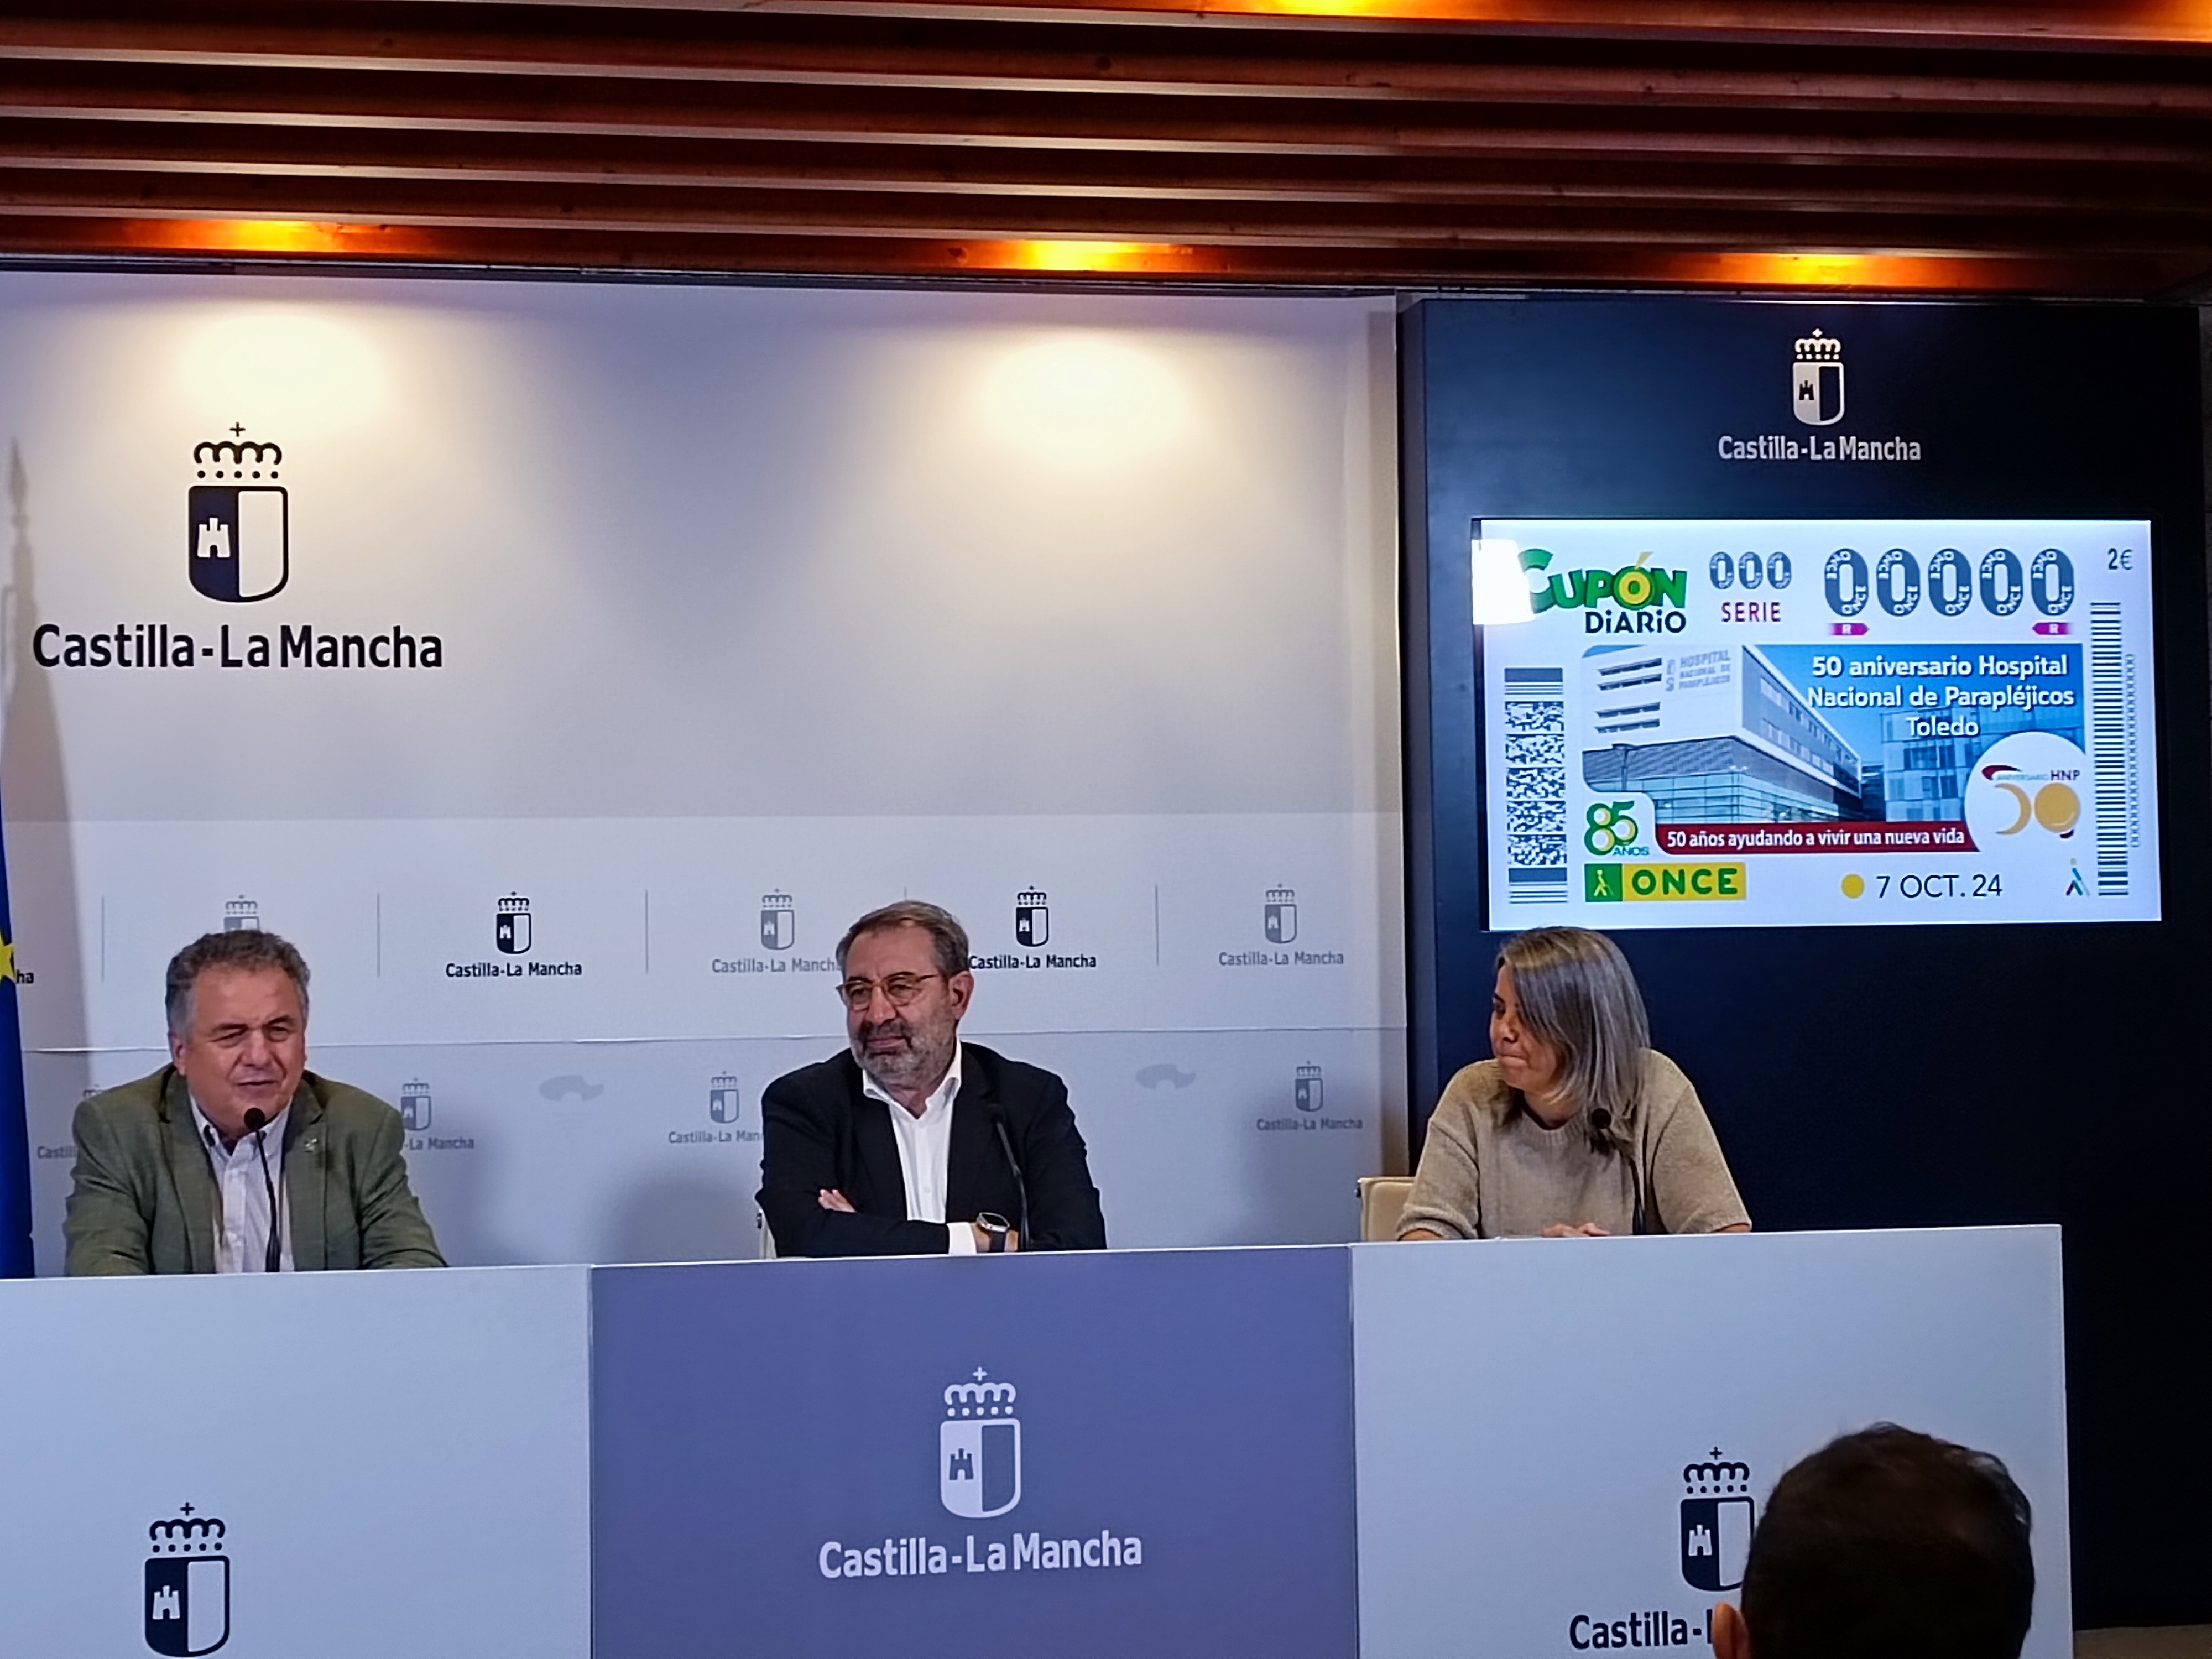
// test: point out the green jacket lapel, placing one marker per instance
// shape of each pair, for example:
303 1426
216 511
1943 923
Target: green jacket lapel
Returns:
188 1172
307 1165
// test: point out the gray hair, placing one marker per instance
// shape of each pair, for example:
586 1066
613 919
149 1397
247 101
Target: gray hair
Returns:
948 939
1578 994
247 950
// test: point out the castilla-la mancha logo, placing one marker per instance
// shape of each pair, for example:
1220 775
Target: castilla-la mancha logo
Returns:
979 1449
237 541
1716 1515
1816 380
187 1585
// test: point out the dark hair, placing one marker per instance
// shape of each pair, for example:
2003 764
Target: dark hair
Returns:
1578 994
948 939
247 950
1891 1542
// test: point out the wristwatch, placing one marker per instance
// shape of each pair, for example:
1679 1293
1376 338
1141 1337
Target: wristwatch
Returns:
995 1229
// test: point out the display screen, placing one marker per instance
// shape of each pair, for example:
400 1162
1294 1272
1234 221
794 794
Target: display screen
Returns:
1815 722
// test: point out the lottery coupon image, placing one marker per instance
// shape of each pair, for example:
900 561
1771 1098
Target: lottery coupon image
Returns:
1818 722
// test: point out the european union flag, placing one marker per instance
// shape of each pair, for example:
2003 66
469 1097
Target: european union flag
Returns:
14 1133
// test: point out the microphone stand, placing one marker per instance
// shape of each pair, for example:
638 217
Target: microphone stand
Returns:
272 1259
1021 1186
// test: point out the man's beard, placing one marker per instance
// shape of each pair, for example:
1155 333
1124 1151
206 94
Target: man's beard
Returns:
925 1058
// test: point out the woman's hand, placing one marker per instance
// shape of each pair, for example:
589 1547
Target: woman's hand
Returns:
1421 1236
1588 1229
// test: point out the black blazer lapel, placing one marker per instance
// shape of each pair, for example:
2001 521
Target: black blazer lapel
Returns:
976 1175
878 1180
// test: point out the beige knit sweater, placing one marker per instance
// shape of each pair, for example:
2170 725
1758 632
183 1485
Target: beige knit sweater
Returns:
1489 1170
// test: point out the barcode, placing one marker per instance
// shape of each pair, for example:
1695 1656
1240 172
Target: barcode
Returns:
2112 749
1536 713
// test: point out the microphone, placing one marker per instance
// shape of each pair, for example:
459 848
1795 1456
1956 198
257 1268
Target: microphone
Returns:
1005 1146
272 1259
1601 1125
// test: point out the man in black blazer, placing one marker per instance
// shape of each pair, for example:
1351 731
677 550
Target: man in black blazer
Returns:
912 1142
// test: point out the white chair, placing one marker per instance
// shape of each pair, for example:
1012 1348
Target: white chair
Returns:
1382 1202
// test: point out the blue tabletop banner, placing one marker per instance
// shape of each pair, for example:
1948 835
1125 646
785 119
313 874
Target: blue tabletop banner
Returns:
1085 1455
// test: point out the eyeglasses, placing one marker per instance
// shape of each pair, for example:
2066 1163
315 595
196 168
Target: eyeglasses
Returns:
900 988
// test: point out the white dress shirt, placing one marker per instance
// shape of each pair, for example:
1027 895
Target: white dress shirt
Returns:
925 1143
242 1218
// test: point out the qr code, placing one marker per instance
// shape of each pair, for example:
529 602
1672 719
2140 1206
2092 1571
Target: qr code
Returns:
1525 852
1535 781
1545 716
1528 751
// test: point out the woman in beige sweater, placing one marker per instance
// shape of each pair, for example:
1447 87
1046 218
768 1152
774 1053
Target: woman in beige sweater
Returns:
1577 1125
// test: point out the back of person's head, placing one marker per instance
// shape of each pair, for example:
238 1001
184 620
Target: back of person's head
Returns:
1577 992
1887 1543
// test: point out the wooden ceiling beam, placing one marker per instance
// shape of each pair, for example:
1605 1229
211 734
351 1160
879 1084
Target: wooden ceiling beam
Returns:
956 216
494 250
540 159
581 105
1455 67
623 34
2147 26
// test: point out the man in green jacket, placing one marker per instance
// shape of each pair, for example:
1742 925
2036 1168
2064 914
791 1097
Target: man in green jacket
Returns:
235 1158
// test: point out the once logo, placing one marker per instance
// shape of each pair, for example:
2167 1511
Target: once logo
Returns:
1651 883
979 1450
1816 380
237 535
187 1585
1716 1515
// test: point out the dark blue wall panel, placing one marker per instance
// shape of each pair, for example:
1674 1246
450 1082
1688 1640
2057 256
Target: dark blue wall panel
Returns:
1884 1076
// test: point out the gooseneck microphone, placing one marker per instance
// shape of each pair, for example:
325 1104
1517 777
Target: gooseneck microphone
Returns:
1602 1122
1021 1186
257 1122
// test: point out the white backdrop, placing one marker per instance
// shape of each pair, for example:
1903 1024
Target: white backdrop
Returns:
754 608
